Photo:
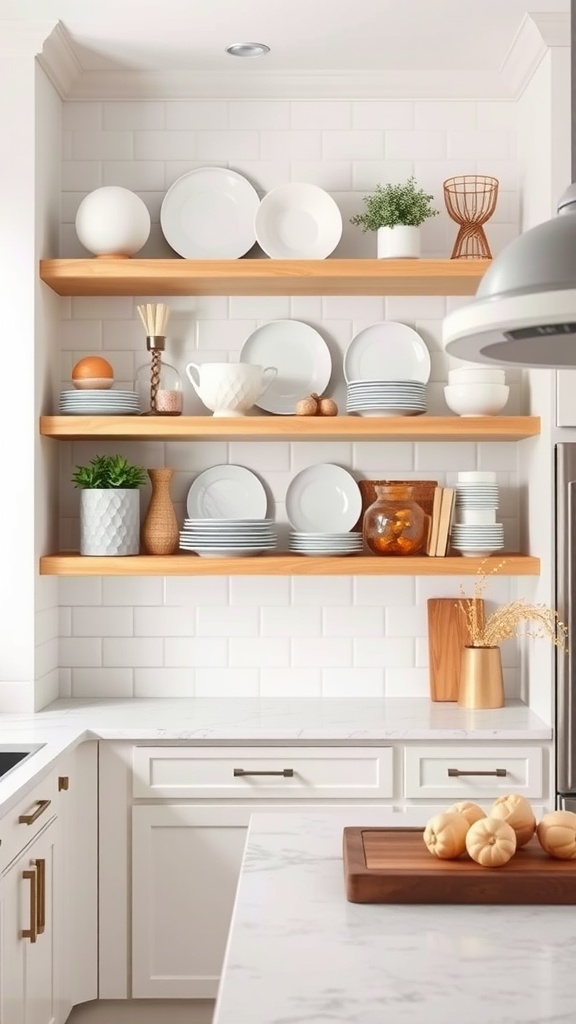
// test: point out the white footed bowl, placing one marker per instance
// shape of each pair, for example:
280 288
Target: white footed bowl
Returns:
476 399
112 221
229 389
477 375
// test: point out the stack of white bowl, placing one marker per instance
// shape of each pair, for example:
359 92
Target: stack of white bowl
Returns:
386 397
476 391
476 532
325 543
228 538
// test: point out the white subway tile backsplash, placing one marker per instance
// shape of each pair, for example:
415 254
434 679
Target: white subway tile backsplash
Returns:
104 621
122 116
250 114
321 114
353 145
102 682
166 621
196 652
231 682
291 682
262 635
352 682
131 652
259 652
184 115
383 652
293 621
321 652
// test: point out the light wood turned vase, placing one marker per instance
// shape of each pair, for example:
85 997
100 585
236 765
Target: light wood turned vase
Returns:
160 532
481 684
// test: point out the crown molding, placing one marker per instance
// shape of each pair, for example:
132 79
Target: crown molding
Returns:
134 85
59 61
536 34
24 38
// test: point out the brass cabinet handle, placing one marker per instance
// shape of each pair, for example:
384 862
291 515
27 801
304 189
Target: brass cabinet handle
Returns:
455 773
287 773
29 819
63 783
41 896
31 932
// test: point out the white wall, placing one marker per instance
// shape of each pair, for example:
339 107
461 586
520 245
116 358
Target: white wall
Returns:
272 636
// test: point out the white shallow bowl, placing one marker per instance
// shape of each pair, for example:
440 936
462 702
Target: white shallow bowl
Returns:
298 221
470 476
477 375
476 399
477 516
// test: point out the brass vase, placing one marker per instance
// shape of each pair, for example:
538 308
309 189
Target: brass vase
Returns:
160 533
481 684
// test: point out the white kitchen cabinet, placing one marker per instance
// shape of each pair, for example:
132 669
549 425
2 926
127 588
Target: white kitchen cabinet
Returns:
29 890
566 398
468 773
185 866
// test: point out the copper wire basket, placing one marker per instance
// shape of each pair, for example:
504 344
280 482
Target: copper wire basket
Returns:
471 200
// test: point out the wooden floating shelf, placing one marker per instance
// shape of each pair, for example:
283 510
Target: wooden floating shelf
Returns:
262 277
71 564
282 428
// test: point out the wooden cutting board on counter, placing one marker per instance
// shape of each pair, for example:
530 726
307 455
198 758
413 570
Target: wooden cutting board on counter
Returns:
392 865
447 635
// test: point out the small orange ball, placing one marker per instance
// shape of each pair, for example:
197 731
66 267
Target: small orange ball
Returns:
92 372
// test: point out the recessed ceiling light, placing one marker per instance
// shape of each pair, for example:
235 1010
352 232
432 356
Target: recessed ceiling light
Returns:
248 49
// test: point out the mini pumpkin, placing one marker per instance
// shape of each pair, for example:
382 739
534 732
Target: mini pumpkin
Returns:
472 812
491 842
516 810
557 834
445 835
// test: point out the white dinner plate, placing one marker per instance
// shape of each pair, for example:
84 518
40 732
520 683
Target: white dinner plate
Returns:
298 222
209 213
323 499
387 351
226 492
301 357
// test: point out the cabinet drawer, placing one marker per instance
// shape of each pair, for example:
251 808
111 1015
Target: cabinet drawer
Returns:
262 772
462 773
40 805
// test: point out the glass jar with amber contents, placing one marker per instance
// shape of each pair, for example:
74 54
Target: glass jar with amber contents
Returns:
395 524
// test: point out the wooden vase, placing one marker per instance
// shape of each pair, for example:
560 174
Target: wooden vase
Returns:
481 683
160 528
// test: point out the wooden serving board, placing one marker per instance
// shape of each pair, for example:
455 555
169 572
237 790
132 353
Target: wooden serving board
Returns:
392 865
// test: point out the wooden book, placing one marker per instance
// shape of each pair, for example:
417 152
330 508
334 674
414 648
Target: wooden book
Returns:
446 513
434 522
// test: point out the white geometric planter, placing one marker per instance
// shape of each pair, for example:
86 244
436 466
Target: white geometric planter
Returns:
110 521
401 242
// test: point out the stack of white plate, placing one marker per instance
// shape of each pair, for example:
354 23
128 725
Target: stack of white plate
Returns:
228 538
99 403
386 397
325 543
477 533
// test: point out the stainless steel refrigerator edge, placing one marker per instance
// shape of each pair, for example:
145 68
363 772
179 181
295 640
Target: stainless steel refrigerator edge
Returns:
565 572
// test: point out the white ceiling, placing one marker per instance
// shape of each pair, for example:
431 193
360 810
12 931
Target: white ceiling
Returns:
304 35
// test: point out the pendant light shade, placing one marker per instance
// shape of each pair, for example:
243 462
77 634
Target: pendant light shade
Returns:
524 312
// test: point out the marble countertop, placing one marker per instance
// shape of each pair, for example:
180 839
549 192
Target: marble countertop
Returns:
244 721
298 952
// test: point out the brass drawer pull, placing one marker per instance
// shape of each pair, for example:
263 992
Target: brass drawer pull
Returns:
29 819
455 773
286 773
41 901
31 932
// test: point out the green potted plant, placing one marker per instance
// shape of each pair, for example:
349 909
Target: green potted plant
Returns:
109 505
396 212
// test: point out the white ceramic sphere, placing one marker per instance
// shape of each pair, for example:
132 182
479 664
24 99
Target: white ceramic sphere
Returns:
112 221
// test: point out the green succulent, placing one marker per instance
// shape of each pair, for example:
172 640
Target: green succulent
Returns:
109 471
392 205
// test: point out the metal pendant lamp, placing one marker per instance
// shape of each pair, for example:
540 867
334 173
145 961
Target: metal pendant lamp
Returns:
524 312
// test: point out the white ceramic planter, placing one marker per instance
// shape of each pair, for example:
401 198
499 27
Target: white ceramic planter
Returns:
110 521
398 243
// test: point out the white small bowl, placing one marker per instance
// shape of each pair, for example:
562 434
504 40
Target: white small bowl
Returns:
483 476
476 399
477 375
